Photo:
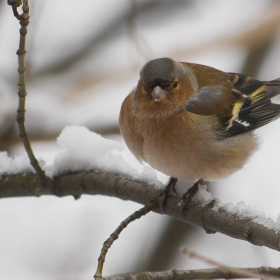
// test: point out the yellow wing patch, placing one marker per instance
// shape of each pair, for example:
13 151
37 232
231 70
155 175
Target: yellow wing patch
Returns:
256 95
235 111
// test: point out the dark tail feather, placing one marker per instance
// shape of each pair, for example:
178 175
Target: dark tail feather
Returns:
259 107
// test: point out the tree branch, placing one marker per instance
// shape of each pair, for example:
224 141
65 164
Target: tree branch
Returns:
264 272
210 217
233 271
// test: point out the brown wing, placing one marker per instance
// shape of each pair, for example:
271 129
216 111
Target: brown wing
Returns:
240 102
215 95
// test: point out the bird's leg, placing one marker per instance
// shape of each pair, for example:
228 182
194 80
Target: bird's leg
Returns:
190 193
171 185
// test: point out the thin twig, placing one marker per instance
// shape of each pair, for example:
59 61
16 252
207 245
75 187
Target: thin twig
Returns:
215 273
108 243
231 270
24 21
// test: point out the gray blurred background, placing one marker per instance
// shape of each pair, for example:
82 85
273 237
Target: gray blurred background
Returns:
83 59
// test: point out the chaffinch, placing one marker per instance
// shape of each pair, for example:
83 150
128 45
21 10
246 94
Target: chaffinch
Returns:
193 121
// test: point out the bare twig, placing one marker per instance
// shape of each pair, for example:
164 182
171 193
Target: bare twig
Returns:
108 243
24 21
198 274
231 270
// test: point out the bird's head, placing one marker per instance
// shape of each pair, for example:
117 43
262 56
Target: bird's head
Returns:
164 84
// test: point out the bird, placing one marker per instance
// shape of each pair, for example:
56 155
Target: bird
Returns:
195 122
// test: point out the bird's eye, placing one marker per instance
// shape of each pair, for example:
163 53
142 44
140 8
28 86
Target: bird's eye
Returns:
175 84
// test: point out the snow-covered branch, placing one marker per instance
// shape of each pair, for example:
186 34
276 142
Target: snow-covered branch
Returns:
91 164
213 217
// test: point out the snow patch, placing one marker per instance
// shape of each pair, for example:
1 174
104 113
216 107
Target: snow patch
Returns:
86 150
239 211
18 164
242 212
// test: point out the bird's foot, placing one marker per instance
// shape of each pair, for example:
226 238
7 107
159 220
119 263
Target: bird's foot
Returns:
170 185
191 192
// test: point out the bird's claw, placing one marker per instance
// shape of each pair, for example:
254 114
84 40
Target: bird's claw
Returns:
171 185
189 194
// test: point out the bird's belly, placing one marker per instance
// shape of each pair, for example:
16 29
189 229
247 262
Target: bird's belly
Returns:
179 155
175 162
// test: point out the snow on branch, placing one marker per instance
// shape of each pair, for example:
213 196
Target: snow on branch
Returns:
91 164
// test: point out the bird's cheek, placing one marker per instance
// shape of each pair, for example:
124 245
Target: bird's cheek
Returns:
140 98
180 96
